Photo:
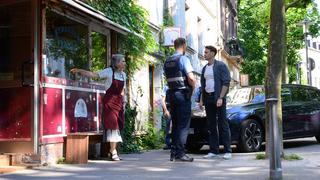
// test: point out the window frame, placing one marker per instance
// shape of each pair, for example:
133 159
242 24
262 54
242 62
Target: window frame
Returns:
91 24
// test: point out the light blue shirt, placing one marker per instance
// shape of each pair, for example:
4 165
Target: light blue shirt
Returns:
184 63
164 91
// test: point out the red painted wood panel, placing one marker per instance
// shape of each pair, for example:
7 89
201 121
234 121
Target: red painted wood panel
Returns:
15 113
52 111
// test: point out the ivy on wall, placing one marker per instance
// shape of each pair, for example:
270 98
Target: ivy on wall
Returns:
135 18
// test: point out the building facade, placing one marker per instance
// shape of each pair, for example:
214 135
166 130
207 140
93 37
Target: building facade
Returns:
148 80
201 22
209 22
314 57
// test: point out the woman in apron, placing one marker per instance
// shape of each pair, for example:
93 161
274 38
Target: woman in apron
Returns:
113 110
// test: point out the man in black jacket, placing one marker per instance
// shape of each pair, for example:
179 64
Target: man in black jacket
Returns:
215 81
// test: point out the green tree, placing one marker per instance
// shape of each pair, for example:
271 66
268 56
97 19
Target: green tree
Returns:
254 31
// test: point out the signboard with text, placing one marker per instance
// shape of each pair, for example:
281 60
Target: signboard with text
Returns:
244 80
170 34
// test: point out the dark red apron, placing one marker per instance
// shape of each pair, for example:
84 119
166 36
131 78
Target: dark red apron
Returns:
113 113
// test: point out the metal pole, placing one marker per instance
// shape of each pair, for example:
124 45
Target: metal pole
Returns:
307 58
298 73
36 96
274 141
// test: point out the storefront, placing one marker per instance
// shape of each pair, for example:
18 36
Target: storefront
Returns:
40 100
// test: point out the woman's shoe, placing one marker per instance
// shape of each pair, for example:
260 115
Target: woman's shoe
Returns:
114 156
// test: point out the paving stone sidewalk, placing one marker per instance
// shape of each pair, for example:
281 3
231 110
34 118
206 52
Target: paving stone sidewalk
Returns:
155 165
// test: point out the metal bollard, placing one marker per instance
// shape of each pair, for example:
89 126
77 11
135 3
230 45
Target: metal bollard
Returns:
274 141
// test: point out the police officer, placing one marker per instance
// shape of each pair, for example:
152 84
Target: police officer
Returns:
166 116
181 83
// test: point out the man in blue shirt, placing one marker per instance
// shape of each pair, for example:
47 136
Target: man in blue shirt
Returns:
181 83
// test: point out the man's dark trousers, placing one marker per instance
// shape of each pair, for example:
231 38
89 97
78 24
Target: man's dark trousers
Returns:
180 111
213 122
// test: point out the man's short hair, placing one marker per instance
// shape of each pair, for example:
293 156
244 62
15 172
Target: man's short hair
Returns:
212 49
179 42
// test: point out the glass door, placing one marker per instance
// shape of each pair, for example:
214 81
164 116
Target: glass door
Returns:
16 70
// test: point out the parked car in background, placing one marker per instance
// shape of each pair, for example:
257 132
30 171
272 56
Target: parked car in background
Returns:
246 116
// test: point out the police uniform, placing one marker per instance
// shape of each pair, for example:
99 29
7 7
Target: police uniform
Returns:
176 69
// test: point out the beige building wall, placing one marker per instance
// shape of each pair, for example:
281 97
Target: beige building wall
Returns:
147 83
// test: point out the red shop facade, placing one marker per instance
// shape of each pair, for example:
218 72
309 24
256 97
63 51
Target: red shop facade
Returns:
40 100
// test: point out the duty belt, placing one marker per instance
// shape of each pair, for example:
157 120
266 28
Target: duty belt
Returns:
176 79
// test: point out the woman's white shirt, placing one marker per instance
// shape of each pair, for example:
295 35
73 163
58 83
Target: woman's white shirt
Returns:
107 75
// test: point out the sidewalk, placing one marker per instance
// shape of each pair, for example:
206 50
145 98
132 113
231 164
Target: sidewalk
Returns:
155 165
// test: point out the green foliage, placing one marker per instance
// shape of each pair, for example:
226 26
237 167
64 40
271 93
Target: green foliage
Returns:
261 156
167 19
292 157
152 139
289 157
254 33
130 140
61 160
99 52
135 18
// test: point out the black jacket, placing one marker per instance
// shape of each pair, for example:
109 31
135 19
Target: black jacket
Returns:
221 77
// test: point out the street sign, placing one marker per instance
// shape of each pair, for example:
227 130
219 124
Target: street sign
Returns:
312 64
170 34
244 80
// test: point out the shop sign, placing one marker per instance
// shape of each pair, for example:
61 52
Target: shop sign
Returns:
170 34
244 80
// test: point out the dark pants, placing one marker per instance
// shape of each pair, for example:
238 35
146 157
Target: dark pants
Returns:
218 125
167 131
180 114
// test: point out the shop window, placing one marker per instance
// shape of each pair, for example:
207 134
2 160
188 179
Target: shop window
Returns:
99 52
15 42
66 46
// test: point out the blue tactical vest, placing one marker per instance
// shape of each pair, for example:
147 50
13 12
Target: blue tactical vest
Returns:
176 77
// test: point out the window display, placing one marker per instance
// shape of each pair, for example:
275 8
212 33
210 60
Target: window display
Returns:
66 46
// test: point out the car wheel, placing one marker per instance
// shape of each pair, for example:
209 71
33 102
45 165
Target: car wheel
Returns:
193 147
251 136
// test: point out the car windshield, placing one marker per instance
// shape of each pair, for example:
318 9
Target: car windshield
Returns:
246 95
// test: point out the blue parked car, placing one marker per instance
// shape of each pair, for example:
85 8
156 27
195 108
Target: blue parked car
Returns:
246 116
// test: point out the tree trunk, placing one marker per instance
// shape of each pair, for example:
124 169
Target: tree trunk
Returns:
275 61
285 78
